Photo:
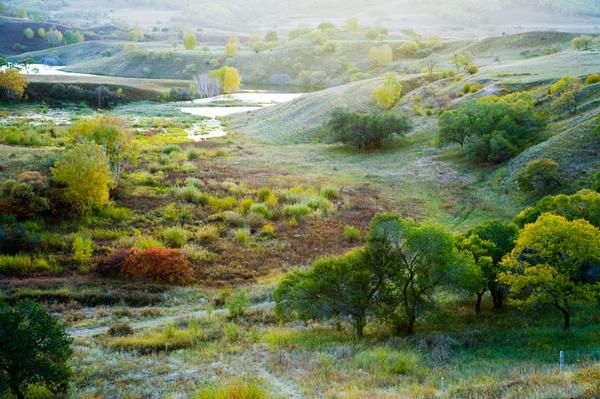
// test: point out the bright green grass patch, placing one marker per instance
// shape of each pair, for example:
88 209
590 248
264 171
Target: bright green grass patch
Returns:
168 339
386 360
25 264
234 391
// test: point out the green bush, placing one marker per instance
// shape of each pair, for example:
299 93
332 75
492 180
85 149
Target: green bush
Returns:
539 177
191 194
297 211
262 210
242 236
170 148
237 303
351 233
175 237
82 248
193 154
389 361
321 204
330 192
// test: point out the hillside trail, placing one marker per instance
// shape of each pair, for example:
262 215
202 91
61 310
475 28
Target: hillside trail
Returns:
83 332
282 386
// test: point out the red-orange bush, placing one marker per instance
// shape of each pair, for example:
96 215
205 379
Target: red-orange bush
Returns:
158 265
111 265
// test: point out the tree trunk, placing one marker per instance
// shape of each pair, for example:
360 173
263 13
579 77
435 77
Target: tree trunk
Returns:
478 303
567 319
359 326
410 326
497 297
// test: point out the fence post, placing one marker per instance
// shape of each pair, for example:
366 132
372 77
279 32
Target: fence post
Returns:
443 383
562 360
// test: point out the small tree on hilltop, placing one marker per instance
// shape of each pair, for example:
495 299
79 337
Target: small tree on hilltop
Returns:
555 262
12 83
34 349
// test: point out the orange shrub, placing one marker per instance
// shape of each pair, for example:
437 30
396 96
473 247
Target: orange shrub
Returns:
158 265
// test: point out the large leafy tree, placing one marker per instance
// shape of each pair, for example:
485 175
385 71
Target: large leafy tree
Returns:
366 131
488 243
418 258
555 262
341 286
34 349
85 173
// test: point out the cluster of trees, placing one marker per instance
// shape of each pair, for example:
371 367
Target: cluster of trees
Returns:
539 177
491 129
582 43
366 131
54 37
395 276
420 46
464 63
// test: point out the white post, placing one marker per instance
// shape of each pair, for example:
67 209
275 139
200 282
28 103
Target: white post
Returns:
443 386
562 360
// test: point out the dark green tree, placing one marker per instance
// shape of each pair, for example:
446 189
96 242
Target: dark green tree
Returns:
34 349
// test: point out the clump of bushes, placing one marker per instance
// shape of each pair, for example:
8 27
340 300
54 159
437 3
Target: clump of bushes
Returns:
242 236
592 79
297 211
20 265
158 265
539 177
330 192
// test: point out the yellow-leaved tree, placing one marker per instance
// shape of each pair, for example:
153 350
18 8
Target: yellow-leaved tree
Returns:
228 77
112 134
84 171
387 95
12 83
555 262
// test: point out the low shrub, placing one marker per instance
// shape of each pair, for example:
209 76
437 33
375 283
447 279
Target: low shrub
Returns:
320 203
262 210
540 177
351 233
111 264
82 248
120 330
208 233
330 192
245 205
170 148
175 237
157 341
222 204
158 265
242 236
241 391
297 211
268 231
191 194
195 253
590 377
193 154
237 303
591 79
385 360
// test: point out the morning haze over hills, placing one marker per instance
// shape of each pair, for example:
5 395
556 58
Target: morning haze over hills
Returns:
253 199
